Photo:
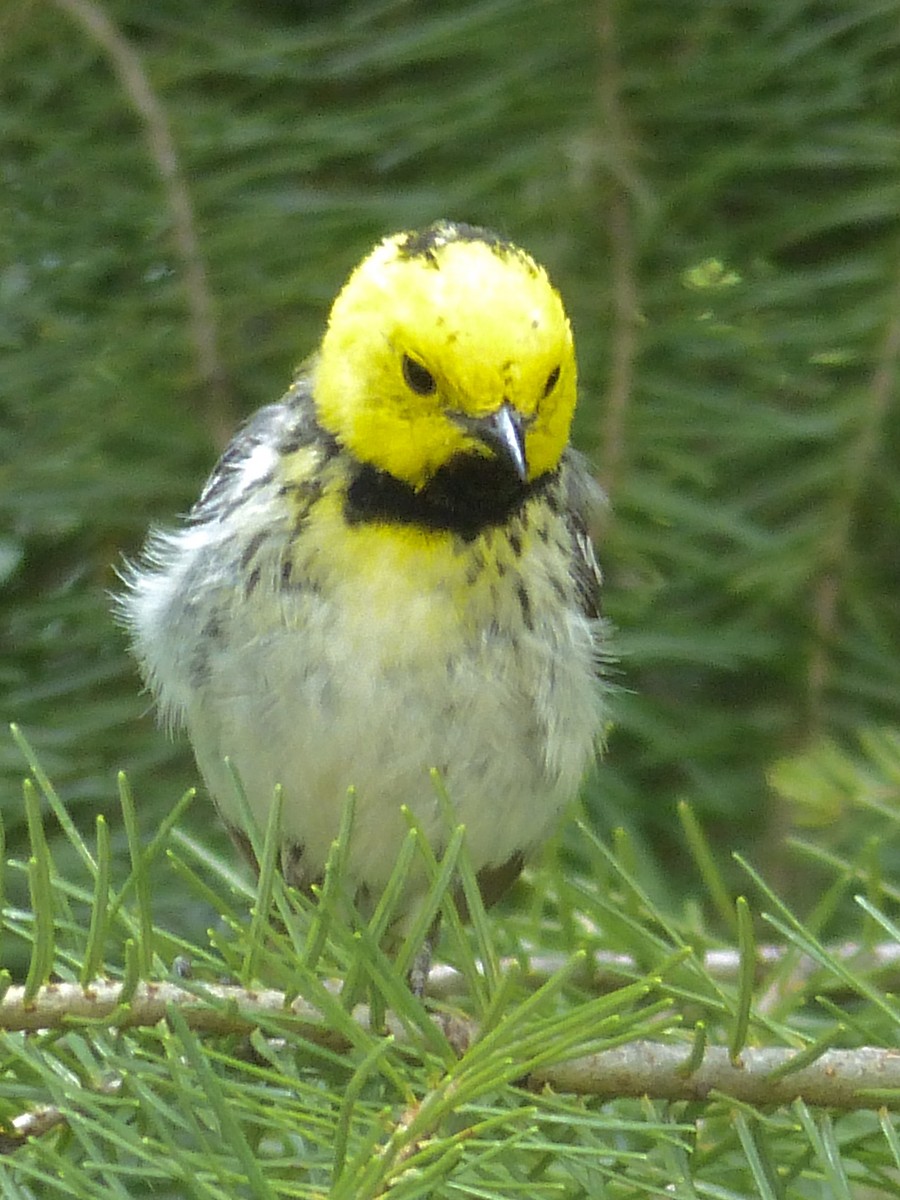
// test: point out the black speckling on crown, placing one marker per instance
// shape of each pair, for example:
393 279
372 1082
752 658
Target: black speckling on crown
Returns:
423 243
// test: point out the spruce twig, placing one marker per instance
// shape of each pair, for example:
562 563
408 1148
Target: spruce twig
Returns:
623 252
862 450
136 84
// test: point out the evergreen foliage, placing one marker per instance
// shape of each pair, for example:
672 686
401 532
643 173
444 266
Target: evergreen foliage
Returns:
185 1088
715 189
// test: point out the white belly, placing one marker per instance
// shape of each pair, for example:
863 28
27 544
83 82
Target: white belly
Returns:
383 658
327 696
509 727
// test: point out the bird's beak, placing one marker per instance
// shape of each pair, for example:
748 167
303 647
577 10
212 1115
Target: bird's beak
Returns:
503 432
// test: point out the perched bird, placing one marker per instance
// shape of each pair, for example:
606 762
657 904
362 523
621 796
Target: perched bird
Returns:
389 572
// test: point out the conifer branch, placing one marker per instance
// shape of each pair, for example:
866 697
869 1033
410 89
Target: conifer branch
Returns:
862 451
623 262
212 1008
136 84
865 1077
37 1122
225 1008
868 1077
606 970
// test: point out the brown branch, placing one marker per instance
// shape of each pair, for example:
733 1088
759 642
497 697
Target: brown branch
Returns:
623 264
604 971
827 598
211 1008
868 1077
135 83
220 1008
845 1079
38 1121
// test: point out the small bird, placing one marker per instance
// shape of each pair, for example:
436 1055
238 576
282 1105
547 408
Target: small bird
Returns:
389 572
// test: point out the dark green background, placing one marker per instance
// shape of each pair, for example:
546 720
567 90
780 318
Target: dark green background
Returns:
715 189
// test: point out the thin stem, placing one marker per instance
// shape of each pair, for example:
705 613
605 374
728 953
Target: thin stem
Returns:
623 259
838 545
136 84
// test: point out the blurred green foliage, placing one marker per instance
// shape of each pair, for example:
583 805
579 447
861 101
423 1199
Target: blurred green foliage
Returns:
715 189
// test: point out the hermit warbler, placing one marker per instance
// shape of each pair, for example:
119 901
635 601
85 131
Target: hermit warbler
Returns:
388 572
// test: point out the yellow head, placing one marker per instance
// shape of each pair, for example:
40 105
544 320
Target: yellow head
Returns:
444 343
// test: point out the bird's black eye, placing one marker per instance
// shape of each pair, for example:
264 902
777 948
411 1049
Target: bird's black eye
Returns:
419 378
552 381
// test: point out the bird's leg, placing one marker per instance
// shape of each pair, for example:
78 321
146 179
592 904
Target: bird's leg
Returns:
421 964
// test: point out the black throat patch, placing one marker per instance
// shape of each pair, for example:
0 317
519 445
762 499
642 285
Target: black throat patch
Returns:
467 496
